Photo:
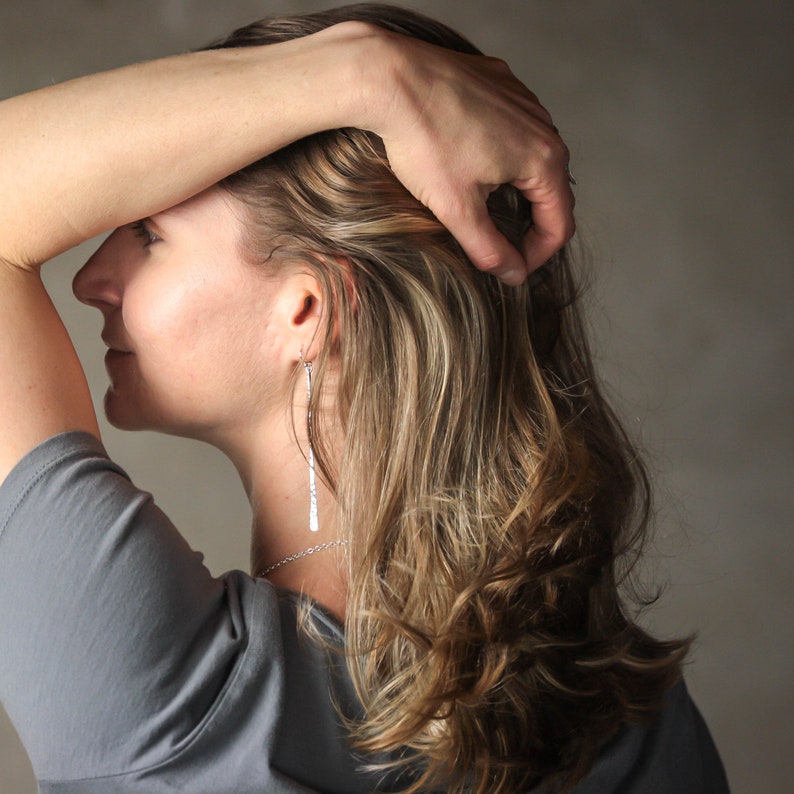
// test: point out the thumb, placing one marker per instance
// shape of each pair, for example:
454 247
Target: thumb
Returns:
487 248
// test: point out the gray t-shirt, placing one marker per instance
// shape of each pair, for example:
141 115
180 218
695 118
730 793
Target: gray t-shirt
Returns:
126 666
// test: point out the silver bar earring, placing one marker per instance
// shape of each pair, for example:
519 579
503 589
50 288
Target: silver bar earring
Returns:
314 523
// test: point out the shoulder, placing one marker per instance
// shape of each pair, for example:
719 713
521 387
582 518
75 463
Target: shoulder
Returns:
59 468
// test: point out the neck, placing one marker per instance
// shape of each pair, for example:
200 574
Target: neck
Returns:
273 466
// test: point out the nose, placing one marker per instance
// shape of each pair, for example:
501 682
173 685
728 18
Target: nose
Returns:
99 282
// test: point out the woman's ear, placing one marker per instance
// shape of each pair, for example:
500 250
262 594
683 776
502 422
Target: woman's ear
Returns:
304 307
301 309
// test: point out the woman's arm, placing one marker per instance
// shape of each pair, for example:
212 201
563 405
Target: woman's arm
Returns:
95 153
85 156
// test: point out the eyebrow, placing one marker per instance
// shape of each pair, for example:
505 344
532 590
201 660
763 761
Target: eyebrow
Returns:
169 212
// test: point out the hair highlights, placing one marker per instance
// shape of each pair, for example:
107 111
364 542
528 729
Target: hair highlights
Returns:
488 491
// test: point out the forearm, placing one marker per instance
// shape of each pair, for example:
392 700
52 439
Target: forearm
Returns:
95 153
85 156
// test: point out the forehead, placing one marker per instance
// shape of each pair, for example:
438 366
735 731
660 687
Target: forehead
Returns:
208 225
213 210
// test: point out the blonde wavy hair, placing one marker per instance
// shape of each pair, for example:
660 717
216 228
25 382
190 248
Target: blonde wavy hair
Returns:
490 495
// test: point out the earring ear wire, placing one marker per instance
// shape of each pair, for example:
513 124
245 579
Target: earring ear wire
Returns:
314 524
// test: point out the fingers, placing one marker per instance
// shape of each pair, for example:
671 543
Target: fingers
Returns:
553 225
481 128
553 222
540 171
486 247
549 192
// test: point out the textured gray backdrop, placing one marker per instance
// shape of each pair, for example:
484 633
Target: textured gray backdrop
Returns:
679 117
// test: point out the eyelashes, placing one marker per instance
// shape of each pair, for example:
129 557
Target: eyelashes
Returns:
142 231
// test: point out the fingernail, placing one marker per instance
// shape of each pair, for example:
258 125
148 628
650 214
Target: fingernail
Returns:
513 277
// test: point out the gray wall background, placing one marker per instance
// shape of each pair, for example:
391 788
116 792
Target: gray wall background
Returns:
679 118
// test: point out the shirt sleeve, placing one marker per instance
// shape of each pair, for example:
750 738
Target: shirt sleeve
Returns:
116 640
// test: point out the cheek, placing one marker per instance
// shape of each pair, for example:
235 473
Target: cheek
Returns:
203 337
206 349
161 318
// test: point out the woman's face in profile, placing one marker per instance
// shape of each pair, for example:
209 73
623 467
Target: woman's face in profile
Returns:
188 322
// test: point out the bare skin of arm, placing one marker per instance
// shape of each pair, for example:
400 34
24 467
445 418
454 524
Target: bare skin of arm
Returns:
96 153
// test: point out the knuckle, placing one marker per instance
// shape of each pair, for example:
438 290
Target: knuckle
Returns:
488 262
500 64
559 151
552 150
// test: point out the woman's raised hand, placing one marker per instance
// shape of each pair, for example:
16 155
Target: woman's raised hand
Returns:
456 127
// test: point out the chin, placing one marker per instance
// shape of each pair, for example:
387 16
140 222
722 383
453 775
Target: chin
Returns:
125 416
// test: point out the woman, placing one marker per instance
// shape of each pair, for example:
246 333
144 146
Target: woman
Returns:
428 458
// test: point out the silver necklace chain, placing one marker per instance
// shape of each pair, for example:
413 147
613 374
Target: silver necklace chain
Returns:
305 553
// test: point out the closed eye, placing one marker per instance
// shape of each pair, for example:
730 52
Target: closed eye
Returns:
142 230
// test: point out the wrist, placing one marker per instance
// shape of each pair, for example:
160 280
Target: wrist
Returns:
360 72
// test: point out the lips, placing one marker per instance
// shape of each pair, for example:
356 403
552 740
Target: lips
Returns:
114 346
116 350
113 356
